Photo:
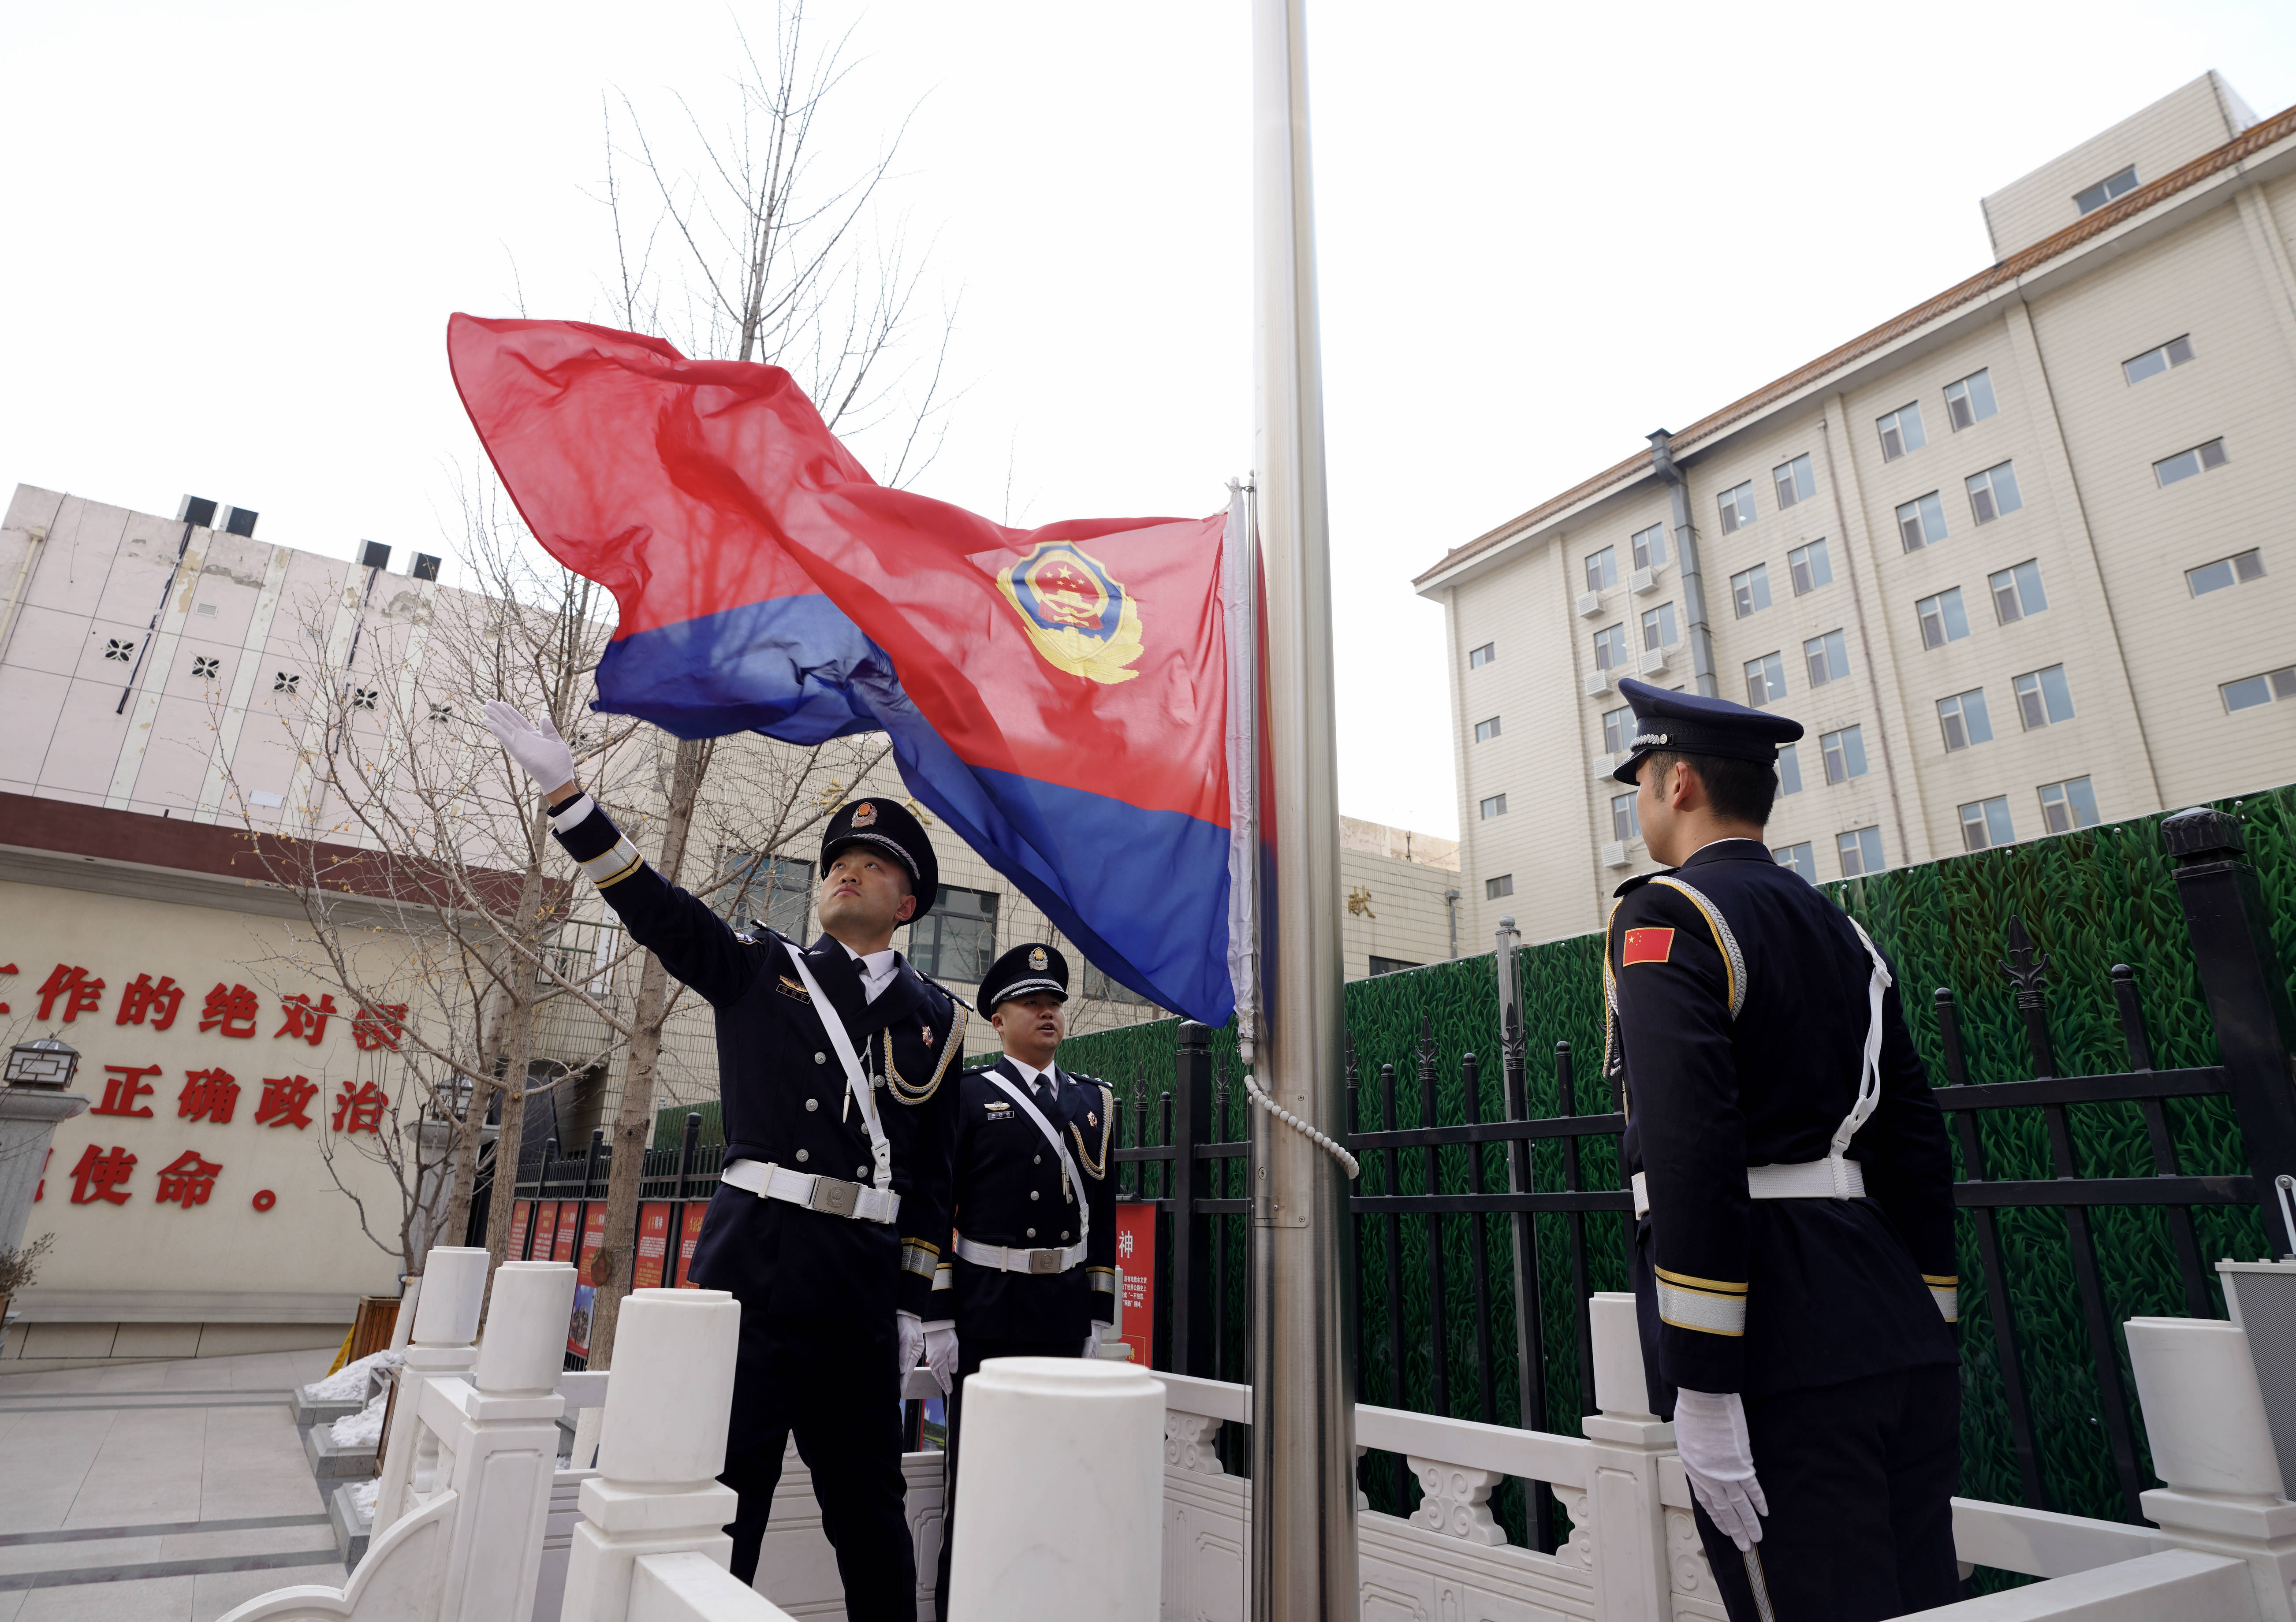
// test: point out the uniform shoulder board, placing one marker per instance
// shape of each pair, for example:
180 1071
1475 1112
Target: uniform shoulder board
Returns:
1634 883
949 992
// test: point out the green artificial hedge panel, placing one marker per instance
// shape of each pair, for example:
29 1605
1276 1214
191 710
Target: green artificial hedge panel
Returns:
2089 900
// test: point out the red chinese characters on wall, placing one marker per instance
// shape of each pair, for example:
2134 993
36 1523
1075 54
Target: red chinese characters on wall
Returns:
360 1109
123 1087
378 1027
140 997
188 1181
74 988
285 1100
305 1018
230 1010
208 1095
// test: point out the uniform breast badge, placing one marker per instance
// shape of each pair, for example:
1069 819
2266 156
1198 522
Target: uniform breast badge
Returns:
1078 617
791 988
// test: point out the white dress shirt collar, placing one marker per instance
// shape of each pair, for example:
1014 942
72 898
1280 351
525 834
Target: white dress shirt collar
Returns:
1030 1073
877 969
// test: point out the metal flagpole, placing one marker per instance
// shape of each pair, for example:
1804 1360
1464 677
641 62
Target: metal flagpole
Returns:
1303 1488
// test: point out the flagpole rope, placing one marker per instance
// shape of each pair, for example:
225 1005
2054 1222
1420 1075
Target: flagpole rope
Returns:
1251 1089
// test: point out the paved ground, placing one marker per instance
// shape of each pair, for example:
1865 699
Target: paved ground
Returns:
158 1492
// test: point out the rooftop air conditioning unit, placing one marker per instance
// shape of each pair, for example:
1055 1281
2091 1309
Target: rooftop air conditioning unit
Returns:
1590 604
1598 682
1614 853
239 520
196 510
426 567
1652 660
1602 765
374 555
1645 581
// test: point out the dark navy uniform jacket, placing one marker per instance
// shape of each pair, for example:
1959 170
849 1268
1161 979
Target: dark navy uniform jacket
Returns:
1008 1192
785 1099
1739 1007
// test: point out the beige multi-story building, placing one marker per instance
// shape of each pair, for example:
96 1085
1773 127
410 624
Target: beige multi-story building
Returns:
2017 557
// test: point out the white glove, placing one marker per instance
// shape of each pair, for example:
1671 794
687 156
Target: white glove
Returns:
1094 1337
910 1334
1709 1432
940 1352
538 749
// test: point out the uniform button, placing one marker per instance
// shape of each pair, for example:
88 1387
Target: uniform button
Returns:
802 1155
1032 1193
812 1103
820 1059
861 1172
1064 1232
1031 1234
1039 1160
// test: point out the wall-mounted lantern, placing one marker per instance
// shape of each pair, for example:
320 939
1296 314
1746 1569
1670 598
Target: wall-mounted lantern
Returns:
47 1062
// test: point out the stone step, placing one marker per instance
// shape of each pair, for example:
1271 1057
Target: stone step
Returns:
310 1411
330 1461
353 1530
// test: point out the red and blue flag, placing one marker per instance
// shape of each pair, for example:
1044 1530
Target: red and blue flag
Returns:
1058 696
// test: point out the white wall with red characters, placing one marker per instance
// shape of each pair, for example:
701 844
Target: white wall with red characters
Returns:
192 1207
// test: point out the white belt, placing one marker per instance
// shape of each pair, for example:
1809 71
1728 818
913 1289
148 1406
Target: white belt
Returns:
1803 1180
1019 1261
811 1190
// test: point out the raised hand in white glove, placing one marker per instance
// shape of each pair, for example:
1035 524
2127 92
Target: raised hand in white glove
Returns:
909 1333
940 1352
1094 1337
1709 1432
538 749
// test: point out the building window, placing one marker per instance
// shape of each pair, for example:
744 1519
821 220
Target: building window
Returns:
1964 721
1610 647
1619 730
205 669
1789 768
1794 481
1496 806
1985 824
1845 754
2183 464
1388 965
1477 658
2239 569
1828 657
1921 522
1624 824
1993 493
1765 680
2017 592
2175 352
957 939
2250 692
1860 850
1942 619
1800 857
1498 888
1901 431
1969 401
2042 699
2105 191
117 650
285 682
1657 626
1811 567
1749 593
2067 805
1738 508
777 891
1603 569
364 698
1485 731
1650 546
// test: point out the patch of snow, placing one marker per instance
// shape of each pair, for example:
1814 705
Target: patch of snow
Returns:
363 1497
349 1383
363 1429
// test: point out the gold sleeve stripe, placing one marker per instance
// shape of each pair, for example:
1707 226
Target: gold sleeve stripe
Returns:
1703 1310
1733 961
1694 1283
919 1259
1097 1273
1949 1302
944 1277
922 1244
1944 1280
616 865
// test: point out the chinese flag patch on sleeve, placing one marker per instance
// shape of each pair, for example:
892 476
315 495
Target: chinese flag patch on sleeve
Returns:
1647 947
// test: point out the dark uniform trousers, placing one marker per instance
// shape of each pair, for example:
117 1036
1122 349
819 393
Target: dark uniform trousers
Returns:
1743 1001
1009 1190
818 1292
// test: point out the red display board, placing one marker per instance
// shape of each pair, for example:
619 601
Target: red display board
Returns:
1136 1262
686 1240
569 1212
586 1287
653 1245
546 1228
520 1214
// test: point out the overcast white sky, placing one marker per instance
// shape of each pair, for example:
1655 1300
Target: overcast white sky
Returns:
235 232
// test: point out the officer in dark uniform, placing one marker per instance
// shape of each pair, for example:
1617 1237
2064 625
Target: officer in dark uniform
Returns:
1034 1266
1793 1263
834 1207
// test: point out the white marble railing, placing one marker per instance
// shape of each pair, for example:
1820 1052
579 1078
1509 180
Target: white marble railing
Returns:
485 1527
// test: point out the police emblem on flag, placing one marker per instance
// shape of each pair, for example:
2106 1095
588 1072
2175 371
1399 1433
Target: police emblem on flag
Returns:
1078 617
864 815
